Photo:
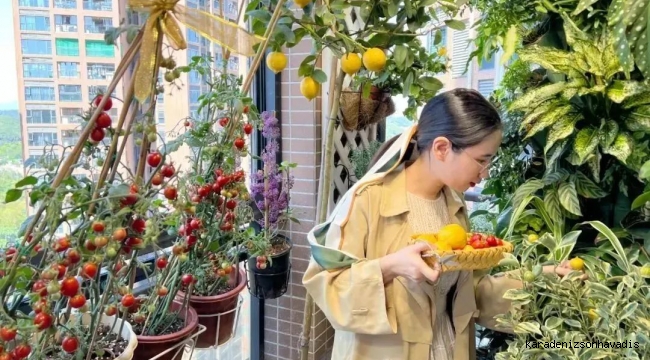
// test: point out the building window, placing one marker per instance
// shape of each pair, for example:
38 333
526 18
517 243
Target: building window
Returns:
99 5
41 138
192 36
460 53
37 161
37 70
194 95
233 63
94 90
40 116
100 71
39 93
65 23
487 64
65 4
68 70
97 25
98 48
485 87
71 115
67 47
37 23
69 92
36 47
34 3
161 117
440 32
69 137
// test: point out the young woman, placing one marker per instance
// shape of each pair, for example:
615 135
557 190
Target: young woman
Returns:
382 299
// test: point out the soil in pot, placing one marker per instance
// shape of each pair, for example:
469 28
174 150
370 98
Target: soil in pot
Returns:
271 282
218 312
108 346
180 329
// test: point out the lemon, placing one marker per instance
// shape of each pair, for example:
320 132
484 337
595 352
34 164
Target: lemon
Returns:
577 264
309 88
533 237
593 315
529 276
430 238
442 51
374 59
454 235
645 271
442 246
276 61
301 3
468 248
351 63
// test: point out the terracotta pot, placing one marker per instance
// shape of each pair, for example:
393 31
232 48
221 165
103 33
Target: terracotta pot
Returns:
208 307
150 346
272 282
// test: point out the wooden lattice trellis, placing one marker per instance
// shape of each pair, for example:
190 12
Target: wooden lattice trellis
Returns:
344 143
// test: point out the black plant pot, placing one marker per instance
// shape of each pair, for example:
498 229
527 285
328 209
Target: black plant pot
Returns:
272 282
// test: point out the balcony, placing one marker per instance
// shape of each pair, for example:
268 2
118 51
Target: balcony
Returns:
71 115
65 4
98 5
66 28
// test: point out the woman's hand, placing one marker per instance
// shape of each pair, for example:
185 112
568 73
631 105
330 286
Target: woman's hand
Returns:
562 270
408 263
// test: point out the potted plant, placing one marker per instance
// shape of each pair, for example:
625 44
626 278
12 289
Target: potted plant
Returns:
211 200
56 284
269 265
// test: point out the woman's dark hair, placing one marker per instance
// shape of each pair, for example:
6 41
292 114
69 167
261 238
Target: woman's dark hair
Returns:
463 116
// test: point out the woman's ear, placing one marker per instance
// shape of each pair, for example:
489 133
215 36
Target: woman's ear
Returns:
440 147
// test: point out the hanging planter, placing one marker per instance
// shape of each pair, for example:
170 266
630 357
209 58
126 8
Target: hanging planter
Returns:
218 313
360 112
271 280
154 346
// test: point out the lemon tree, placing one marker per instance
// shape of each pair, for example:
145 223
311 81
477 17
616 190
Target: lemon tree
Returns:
385 52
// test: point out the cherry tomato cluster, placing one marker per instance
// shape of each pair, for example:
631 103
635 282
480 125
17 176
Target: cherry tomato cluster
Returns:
103 121
482 241
261 262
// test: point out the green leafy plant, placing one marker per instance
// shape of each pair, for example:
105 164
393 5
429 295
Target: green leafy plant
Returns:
361 156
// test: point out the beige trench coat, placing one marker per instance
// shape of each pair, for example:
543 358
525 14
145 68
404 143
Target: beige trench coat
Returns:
374 321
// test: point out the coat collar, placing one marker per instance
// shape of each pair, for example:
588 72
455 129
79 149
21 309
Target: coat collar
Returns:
393 195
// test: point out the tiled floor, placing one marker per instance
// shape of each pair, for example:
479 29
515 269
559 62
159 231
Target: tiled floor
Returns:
238 348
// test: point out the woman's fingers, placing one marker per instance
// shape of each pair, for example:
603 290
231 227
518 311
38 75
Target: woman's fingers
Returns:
429 273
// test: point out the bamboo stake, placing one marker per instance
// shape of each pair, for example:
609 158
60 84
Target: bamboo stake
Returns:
324 185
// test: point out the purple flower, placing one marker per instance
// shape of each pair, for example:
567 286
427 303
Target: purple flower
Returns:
271 186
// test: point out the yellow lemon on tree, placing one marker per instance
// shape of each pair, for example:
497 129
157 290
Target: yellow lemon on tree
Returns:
351 63
309 88
374 59
442 51
276 61
454 235
577 264
533 237
301 3
593 315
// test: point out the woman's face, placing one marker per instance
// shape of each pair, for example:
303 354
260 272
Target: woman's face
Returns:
463 169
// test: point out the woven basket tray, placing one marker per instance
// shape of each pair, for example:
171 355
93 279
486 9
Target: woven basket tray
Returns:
475 259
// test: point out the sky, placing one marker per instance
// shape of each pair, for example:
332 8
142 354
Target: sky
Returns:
8 79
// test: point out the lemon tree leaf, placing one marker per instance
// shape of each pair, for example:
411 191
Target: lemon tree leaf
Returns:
320 76
400 56
621 148
569 197
430 83
455 24
585 142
